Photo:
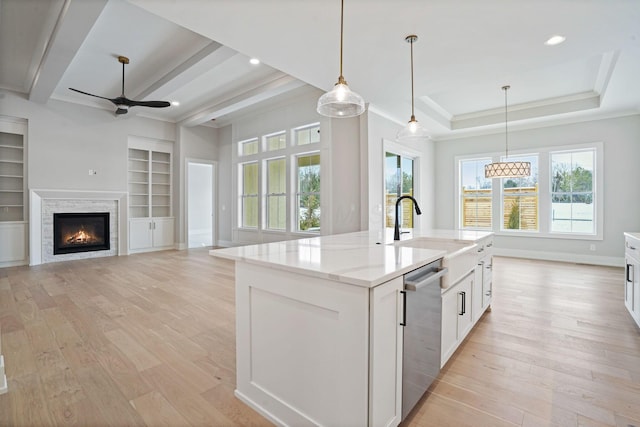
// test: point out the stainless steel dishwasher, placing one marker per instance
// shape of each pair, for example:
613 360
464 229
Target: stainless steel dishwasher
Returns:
422 321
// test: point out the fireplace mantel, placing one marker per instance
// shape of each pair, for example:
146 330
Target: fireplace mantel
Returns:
35 216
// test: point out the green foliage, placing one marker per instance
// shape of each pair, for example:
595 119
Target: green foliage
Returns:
309 203
514 216
577 180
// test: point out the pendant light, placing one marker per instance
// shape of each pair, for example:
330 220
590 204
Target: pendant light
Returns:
413 131
341 101
507 169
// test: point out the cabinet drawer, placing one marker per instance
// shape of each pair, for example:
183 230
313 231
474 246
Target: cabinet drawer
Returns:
632 247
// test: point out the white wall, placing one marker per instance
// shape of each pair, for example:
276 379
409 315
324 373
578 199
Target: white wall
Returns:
621 141
225 193
66 140
379 130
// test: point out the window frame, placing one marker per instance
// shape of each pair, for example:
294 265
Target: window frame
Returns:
289 152
295 227
544 192
267 194
460 196
265 143
517 157
242 196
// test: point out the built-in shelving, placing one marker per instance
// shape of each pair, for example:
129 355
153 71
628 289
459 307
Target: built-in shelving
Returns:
12 186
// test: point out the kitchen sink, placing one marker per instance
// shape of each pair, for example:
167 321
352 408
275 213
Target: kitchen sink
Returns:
460 257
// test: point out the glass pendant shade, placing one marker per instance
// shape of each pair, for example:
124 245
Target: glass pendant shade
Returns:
341 102
507 169
413 131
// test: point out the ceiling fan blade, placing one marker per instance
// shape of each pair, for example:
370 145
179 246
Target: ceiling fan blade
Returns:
90 94
152 104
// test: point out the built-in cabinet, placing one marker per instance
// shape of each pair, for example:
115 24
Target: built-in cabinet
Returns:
151 224
13 227
632 275
464 302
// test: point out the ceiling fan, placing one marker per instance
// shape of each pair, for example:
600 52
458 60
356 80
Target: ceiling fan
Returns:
122 102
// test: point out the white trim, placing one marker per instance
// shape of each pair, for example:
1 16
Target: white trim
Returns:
389 146
560 256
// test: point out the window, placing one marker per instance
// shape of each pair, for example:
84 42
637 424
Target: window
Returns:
276 194
248 147
572 184
249 196
308 192
275 141
398 181
559 199
520 198
475 195
307 134
278 186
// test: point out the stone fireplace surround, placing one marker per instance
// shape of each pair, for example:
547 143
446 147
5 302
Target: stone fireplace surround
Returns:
43 203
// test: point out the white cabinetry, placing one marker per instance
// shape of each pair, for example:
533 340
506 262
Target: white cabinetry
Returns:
151 225
150 233
457 318
13 249
632 275
482 285
311 351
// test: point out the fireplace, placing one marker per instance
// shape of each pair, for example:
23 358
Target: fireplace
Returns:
80 232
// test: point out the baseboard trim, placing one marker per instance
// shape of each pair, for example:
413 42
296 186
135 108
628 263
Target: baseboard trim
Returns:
225 243
249 402
561 256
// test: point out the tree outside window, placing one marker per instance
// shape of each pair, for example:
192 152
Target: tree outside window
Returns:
308 194
572 183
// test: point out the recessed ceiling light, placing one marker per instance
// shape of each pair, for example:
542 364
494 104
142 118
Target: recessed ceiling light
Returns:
554 40
254 61
175 103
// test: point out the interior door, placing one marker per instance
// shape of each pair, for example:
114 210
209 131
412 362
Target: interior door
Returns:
200 204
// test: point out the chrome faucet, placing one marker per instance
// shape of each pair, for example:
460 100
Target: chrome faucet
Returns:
396 231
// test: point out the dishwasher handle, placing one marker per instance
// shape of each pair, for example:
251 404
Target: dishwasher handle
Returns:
414 285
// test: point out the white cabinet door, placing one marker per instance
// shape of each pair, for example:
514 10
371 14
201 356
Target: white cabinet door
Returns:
465 320
140 234
449 334
456 316
13 236
629 284
162 232
478 291
385 387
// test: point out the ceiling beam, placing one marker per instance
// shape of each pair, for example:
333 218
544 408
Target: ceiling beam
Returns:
277 85
76 19
204 60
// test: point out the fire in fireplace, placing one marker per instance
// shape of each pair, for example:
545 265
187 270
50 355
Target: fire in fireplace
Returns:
80 232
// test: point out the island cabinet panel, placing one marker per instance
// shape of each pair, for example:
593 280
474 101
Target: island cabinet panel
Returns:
385 388
302 347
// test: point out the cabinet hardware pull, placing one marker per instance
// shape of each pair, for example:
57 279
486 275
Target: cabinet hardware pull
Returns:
404 308
632 248
489 245
480 250
629 266
464 297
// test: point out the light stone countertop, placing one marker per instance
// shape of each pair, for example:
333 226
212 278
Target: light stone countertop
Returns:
633 235
363 258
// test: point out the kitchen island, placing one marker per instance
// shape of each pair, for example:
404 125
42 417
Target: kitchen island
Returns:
318 335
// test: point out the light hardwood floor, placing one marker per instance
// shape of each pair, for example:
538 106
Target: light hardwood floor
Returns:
148 339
